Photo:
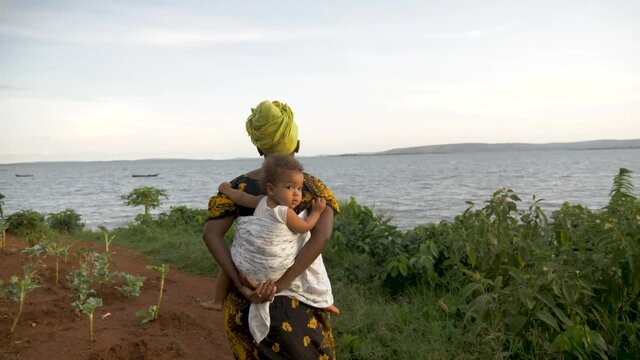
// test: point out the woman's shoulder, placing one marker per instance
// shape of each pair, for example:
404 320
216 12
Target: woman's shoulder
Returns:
248 183
316 188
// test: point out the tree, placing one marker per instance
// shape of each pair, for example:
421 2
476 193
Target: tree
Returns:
147 196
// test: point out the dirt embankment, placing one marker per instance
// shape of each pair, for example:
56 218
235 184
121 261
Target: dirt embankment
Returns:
51 329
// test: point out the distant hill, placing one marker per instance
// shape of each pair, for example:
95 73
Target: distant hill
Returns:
484 147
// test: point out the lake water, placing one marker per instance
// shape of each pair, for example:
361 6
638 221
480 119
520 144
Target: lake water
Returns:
412 189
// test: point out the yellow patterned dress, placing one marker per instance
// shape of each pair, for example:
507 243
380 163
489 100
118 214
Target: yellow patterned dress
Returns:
298 331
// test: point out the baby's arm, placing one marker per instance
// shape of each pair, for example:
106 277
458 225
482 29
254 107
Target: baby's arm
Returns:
239 197
299 225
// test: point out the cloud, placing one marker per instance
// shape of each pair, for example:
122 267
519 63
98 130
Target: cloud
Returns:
12 88
473 33
143 27
177 37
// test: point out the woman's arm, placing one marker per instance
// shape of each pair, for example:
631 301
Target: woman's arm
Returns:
213 236
320 237
239 197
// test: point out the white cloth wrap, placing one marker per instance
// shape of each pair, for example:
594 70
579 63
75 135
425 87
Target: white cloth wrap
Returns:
262 248
265 249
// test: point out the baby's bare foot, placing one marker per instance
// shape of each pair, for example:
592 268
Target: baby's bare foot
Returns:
333 309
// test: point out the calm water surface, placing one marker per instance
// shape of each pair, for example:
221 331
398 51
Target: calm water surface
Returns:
412 189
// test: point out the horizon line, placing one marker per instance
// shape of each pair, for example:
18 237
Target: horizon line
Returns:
318 155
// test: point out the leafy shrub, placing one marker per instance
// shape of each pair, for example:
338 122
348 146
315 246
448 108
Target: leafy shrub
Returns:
510 278
67 221
183 217
28 224
359 244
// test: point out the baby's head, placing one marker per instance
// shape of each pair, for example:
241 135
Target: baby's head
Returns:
282 177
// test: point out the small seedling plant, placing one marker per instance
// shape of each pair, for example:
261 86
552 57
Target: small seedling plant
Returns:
35 253
101 265
132 286
108 239
19 287
58 251
80 281
4 225
54 249
151 314
89 307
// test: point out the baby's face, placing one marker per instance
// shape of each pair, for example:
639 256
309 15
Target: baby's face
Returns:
287 190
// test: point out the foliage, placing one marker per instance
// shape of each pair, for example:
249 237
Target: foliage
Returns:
147 196
147 315
49 247
80 281
108 239
67 221
132 286
359 241
184 218
94 271
19 287
512 278
28 224
151 314
101 267
89 307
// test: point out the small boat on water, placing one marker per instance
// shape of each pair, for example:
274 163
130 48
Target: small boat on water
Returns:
144 175
24 175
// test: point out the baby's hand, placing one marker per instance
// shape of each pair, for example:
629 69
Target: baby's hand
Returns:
224 186
318 204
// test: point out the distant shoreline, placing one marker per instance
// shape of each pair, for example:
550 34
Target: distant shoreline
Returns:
428 149
501 147
485 151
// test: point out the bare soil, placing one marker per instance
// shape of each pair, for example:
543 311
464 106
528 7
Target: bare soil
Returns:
50 328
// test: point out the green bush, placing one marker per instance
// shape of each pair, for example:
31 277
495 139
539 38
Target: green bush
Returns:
359 241
183 217
28 224
67 221
511 279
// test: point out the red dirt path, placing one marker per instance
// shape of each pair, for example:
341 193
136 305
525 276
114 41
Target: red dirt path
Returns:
50 328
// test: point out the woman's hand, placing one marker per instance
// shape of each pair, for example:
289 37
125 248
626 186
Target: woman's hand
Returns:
224 186
265 291
318 205
247 280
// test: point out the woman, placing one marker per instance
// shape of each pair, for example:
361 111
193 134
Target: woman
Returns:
297 331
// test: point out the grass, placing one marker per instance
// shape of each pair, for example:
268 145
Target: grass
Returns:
172 245
411 326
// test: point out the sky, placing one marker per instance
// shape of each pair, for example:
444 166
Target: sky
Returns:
108 80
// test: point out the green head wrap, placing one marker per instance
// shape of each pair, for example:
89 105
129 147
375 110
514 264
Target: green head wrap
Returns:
272 129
